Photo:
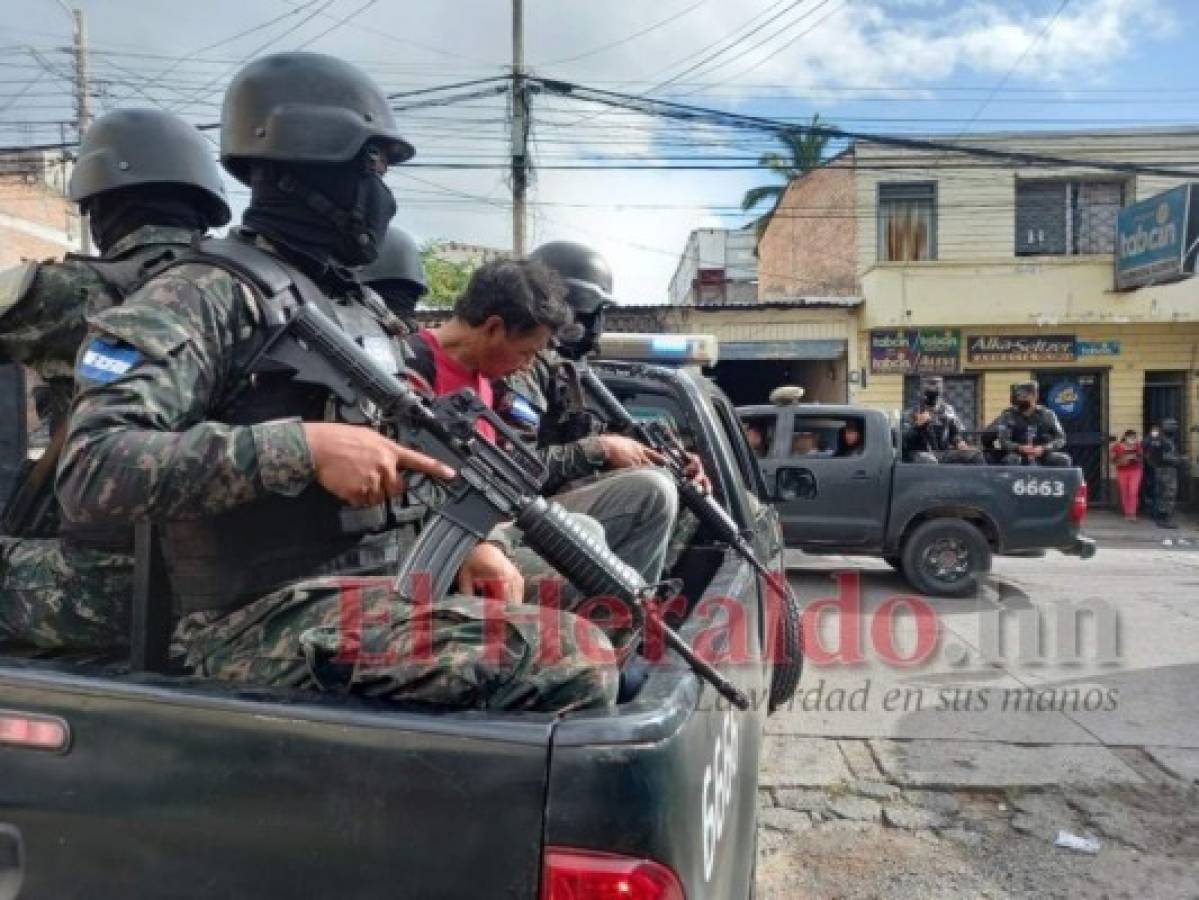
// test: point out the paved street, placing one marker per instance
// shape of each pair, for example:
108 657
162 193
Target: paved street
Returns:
880 774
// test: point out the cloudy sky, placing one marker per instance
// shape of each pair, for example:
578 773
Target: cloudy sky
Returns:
911 66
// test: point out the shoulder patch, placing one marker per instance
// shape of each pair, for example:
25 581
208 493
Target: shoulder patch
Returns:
519 409
105 360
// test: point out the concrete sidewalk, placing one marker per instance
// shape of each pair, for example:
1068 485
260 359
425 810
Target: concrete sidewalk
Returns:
1111 530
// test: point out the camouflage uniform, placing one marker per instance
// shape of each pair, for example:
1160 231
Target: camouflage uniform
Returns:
637 509
532 402
147 443
55 593
1039 426
1163 459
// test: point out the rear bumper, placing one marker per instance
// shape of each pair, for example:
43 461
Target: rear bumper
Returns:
1083 548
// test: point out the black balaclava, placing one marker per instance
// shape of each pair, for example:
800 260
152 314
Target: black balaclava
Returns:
930 391
117 213
330 215
400 296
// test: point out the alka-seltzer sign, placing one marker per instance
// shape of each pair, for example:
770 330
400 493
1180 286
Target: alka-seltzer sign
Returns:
1156 239
908 351
1020 348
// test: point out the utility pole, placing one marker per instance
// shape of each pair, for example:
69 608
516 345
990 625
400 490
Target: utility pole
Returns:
520 128
83 111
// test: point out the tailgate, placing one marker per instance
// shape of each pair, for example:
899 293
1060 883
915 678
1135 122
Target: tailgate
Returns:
171 794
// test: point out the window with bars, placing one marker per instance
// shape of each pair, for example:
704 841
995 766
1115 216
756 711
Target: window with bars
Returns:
907 221
1067 218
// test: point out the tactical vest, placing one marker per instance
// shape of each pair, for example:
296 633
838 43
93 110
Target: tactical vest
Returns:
230 559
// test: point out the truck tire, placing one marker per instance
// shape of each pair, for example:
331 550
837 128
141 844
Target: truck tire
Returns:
946 558
788 646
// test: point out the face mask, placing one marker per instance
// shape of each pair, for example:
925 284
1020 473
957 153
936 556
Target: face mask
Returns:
931 398
376 207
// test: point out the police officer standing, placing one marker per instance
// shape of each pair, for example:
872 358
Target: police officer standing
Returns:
1161 455
149 183
271 499
1029 434
932 431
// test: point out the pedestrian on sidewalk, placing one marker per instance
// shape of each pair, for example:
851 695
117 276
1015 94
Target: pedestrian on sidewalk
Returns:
1128 458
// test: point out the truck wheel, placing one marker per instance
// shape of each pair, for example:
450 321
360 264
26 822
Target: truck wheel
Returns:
788 651
895 562
945 558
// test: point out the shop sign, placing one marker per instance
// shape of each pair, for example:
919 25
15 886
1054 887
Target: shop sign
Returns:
912 351
1156 238
1066 398
1020 348
1097 348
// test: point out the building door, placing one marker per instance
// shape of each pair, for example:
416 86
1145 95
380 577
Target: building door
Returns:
961 392
1165 398
1080 401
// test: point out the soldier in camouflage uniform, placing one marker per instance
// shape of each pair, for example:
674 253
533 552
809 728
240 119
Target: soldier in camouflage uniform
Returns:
398 276
610 477
1163 459
1029 434
149 184
275 510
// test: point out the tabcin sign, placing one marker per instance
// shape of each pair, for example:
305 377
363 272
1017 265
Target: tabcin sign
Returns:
1020 348
910 351
1156 239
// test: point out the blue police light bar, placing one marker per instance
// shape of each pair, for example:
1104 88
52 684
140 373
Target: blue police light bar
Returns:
662 349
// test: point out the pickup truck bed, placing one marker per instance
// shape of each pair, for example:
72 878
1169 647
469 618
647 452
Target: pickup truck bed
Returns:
174 788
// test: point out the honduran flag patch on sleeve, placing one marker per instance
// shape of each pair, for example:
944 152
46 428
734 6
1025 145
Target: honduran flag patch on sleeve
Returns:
105 360
524 412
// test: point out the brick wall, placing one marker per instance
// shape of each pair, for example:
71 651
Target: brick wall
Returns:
809 248
36 222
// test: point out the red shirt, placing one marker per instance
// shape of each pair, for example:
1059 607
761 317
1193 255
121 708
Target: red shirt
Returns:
451 375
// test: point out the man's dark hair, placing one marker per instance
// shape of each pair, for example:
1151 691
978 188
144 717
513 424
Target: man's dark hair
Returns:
524 294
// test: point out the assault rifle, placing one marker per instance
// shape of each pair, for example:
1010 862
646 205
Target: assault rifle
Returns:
490 486
657 437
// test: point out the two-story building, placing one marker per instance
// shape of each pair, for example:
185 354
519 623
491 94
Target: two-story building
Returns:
37 221
993 270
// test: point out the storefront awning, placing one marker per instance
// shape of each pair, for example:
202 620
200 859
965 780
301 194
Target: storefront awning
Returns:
797 349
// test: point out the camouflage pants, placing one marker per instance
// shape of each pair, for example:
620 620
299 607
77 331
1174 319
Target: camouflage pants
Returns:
1165 494
62 597
353 633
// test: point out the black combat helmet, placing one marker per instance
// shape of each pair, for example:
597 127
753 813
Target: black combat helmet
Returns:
588 279
1169 426
587 274
1024 390
398 275
304 108
135 147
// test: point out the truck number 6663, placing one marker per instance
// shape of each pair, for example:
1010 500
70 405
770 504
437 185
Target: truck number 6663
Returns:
719 783
1038 487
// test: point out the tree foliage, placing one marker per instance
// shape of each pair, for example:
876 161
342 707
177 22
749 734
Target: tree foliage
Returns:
447 279
803 151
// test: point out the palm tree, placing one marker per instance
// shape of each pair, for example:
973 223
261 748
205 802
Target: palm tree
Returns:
804 151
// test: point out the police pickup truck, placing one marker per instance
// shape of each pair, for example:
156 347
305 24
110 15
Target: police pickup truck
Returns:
120 781
937 524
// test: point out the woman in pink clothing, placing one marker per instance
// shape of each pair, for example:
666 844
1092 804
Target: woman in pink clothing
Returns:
1127 457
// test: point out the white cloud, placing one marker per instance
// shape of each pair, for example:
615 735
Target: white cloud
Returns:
917 45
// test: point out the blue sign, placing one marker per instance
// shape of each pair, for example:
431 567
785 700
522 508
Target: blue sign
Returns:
1066 398
1097 348
1153 238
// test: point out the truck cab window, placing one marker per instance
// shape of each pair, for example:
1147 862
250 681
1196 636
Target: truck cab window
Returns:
828 436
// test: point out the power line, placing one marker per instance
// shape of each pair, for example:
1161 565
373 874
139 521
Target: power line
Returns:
611 45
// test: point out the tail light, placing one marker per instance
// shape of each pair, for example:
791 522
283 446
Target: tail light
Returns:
34 732
591 875
1078 508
